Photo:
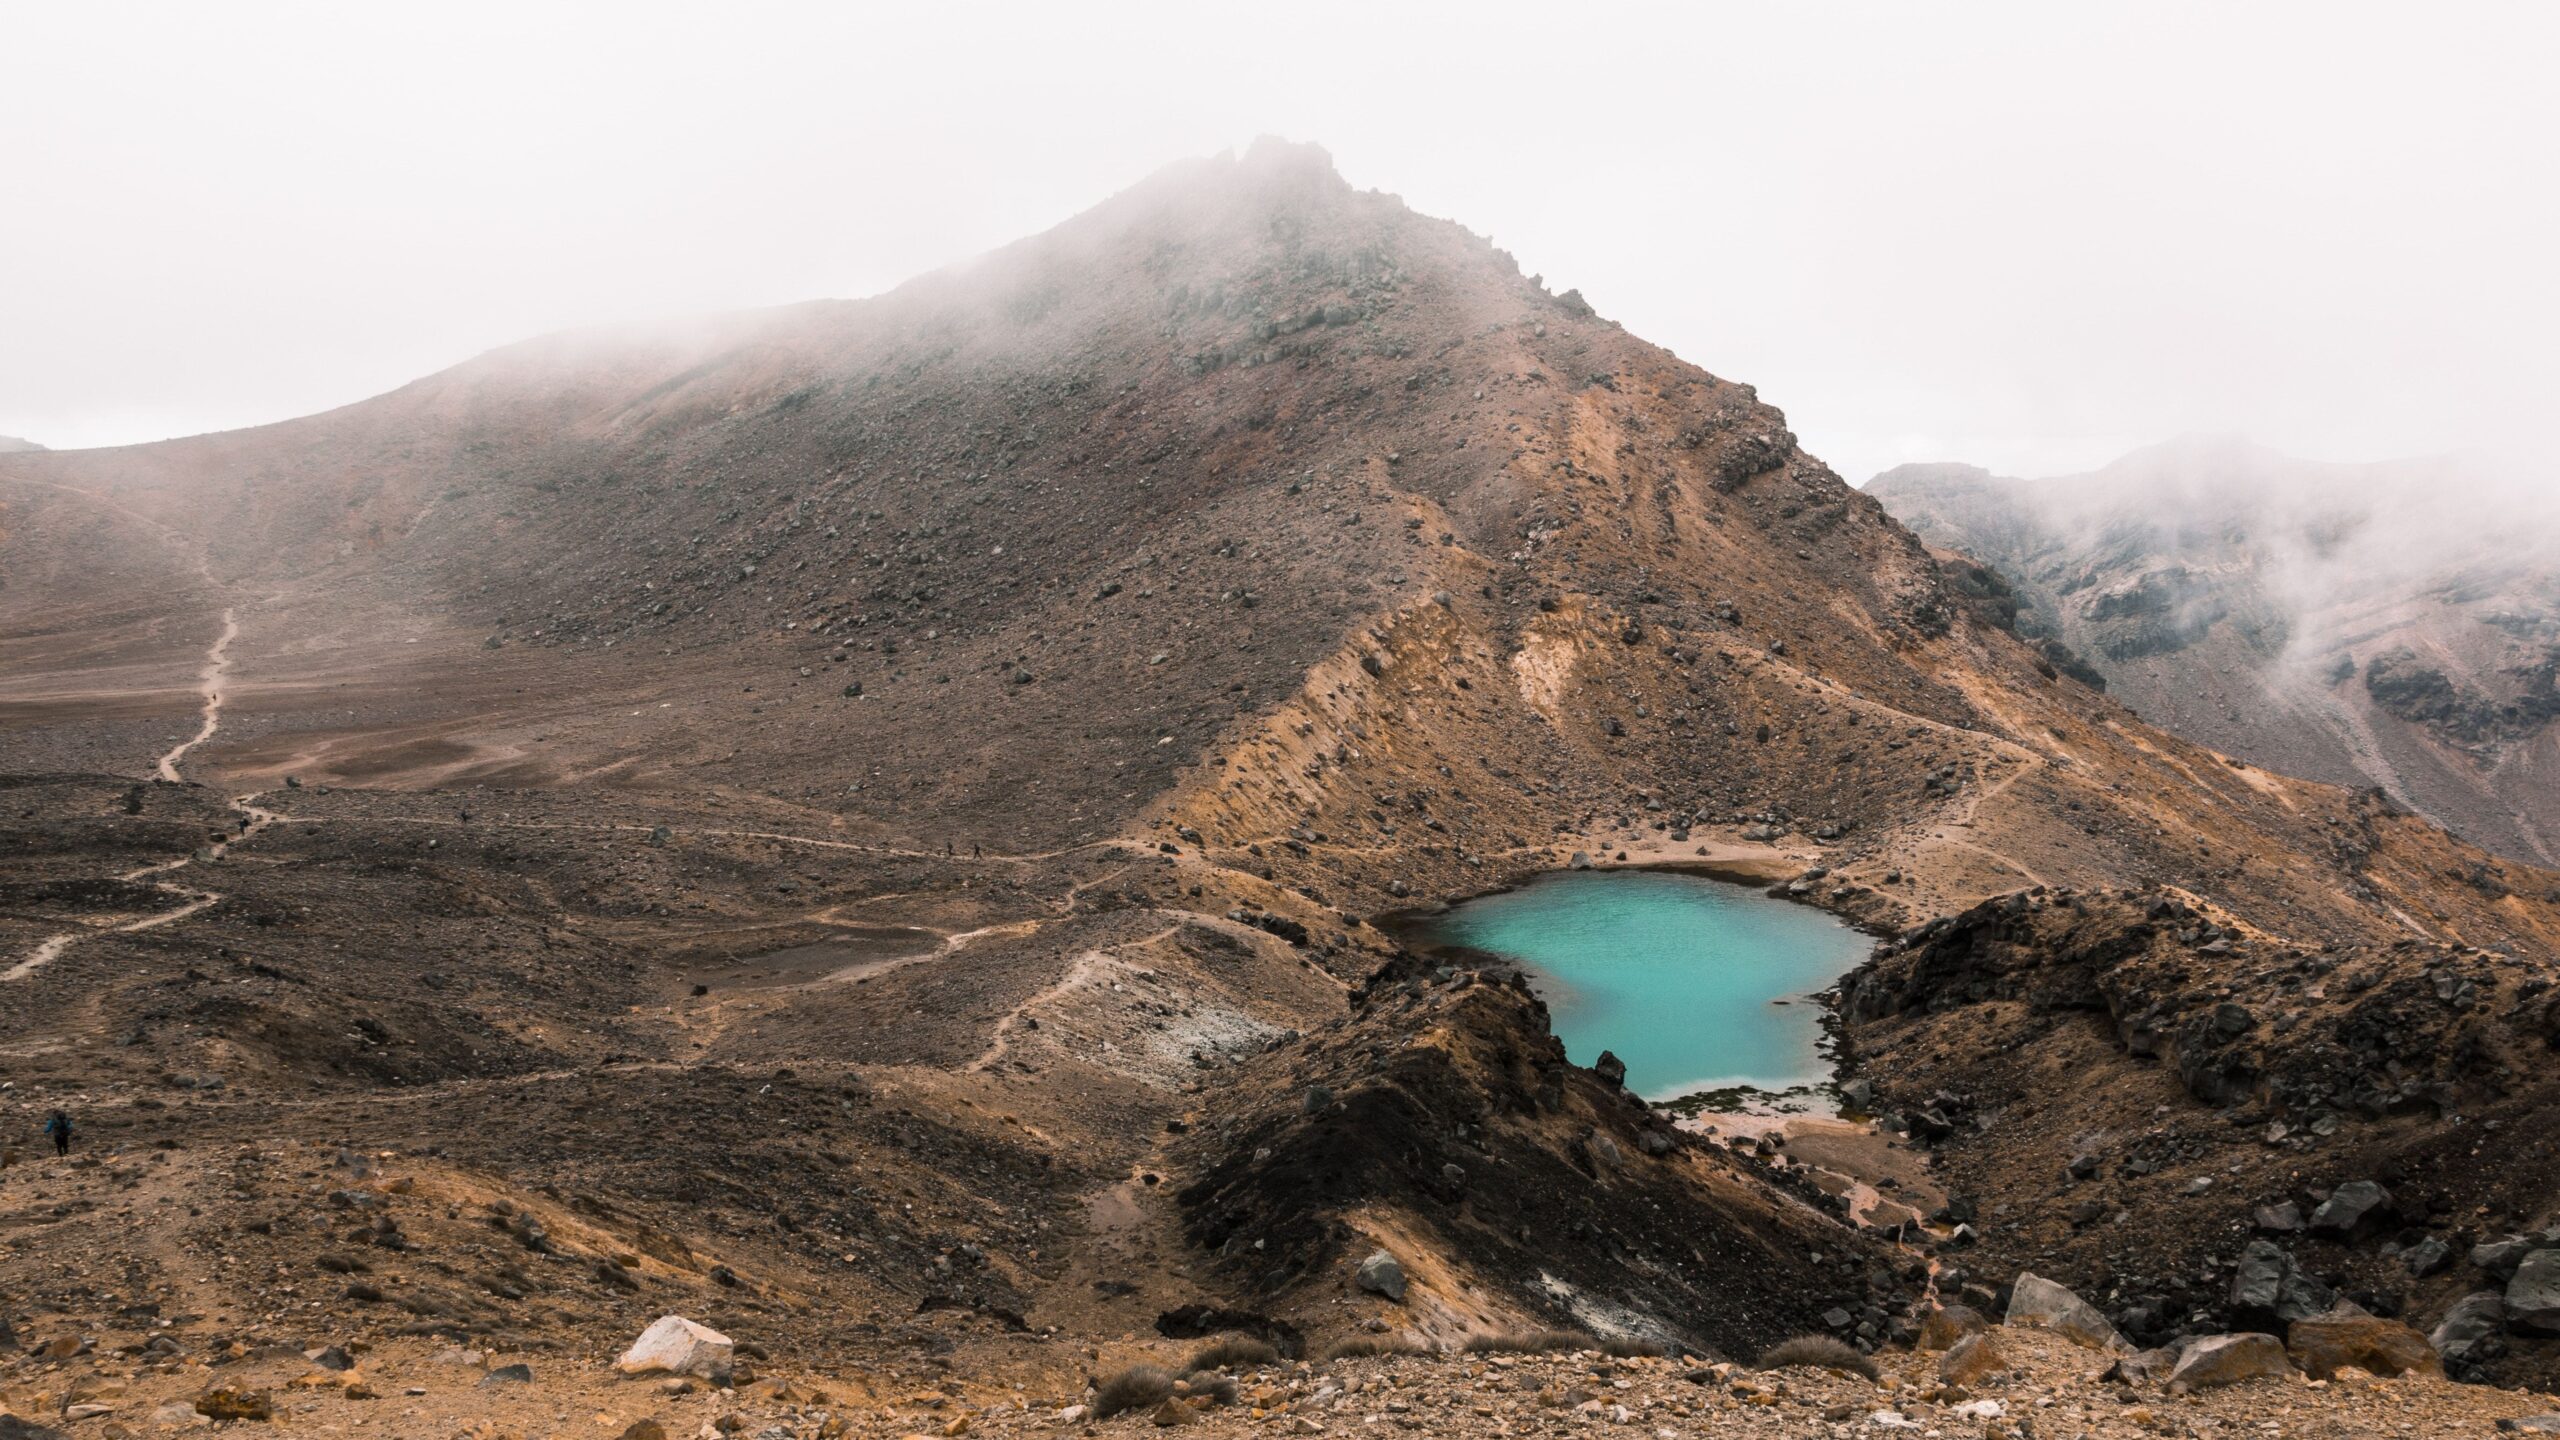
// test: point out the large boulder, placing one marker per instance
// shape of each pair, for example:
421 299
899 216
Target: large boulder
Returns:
2039 1302
2325 1344
2468 1333
2268 1287
2352 1210
1381 1275
2533 1297
679 1347
2228 1360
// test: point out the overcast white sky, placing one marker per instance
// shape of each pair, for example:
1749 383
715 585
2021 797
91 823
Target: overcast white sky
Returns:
2029 235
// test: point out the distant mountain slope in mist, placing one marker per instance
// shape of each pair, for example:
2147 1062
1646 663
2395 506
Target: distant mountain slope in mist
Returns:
11 444
2392 624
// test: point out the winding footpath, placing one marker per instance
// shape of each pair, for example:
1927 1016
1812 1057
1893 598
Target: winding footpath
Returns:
192 901
217 663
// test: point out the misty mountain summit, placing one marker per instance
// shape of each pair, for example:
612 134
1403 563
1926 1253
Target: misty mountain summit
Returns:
870 859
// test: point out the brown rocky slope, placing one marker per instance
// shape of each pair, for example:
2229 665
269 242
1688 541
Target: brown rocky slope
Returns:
872 811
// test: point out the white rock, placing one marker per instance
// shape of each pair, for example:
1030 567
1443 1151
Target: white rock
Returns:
1981 1410
676 1345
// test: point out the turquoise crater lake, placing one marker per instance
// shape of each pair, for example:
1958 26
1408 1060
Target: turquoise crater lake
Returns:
1679 976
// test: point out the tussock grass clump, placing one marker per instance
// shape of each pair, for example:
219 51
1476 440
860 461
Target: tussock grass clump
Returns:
1232 1352
1144 1387
1140 1387
1211 1389
1361 1346
1822 1353
1628 1347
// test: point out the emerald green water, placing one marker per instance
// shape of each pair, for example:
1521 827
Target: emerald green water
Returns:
1676 974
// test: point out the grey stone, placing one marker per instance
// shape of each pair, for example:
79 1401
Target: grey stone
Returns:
2501 1256
2268 1285
2427 1257
1381 1275
2351 1210
2039 1302
2533 1297
2468 1326
2282 1219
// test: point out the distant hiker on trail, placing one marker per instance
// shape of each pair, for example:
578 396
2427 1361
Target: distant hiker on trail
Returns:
59 1129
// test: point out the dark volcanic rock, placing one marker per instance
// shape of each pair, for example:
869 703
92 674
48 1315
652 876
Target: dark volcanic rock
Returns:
2469 1332
1482 1084
2352 1210
2533 1296
2268 1288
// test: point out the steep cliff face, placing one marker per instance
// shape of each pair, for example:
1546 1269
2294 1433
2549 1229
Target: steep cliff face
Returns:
2394 625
